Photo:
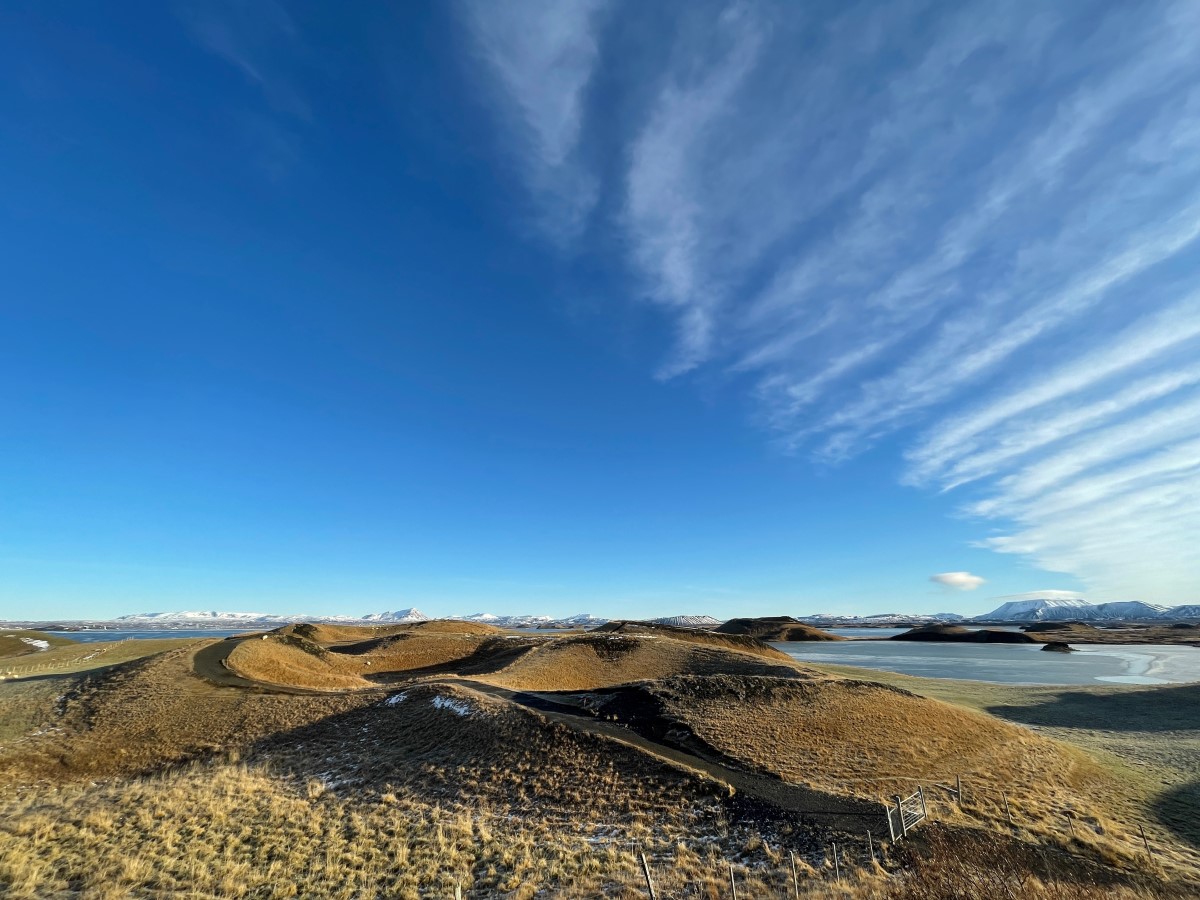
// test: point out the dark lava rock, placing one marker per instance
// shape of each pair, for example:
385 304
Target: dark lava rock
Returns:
1058 647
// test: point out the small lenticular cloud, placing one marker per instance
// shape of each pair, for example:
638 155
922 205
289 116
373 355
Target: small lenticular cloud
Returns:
959 581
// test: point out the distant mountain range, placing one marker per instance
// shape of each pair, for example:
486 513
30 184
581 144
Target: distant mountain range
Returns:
1043 609
215 618
838 620
219 619
579 620
1060 610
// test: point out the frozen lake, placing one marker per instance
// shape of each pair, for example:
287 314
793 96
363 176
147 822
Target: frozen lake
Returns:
1009 663
90 637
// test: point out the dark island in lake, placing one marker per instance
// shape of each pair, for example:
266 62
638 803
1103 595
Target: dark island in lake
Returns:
1058 647
776 628
960 635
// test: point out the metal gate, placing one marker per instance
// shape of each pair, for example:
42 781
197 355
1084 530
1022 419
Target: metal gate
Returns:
907 813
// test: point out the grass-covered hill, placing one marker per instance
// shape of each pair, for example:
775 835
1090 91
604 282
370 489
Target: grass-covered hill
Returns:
25 643
325 761
776 628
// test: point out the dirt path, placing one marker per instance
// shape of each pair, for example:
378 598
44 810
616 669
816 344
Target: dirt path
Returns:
843 813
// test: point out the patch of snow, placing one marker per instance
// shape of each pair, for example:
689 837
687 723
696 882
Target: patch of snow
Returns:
1057 609
412 614
34 642
396 699
458 707
687 621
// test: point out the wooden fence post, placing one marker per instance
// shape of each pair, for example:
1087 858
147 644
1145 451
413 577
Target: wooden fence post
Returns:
1145 843
795 876
958 789
1007 811
646 872
837 866
870 848
921 794
732 882
900 815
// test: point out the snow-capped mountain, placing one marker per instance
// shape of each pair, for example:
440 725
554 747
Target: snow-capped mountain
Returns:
1042 609
206 617
1188 611
196 616
219 619
1073 609
528 621
225 619
845 621
412 614
687 621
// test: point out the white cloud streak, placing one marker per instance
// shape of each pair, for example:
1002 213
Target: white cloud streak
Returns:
957 581
539 56
979 224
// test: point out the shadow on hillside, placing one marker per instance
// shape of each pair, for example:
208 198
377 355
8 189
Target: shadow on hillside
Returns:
1176 809
489 657
1173 708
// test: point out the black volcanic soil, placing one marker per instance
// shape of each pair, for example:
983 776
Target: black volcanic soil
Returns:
958 634
776 628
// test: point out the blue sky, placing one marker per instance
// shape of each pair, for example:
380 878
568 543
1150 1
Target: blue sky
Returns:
630 308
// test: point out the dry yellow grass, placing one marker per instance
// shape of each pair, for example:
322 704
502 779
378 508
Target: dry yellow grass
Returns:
877 734
174 776
342 660
601 660
869 740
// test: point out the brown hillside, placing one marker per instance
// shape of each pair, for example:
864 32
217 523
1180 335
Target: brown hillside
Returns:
528 662
859 738
323 633
592 660
777 628
137 716
287 660
705 636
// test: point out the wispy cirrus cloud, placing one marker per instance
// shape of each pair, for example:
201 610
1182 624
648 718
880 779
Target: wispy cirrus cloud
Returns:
261 40
967 234
539 57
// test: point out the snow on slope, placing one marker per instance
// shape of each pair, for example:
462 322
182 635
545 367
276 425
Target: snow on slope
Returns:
687 621
847 621
412 614
1130 609
1041 609
216 618
1058 610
